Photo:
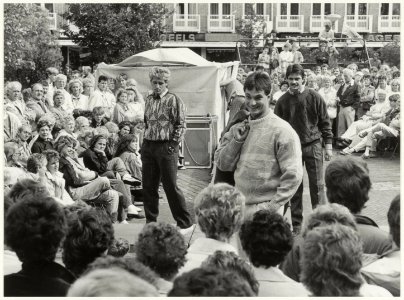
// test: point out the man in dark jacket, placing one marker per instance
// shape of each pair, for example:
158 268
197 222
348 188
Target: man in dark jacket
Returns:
306 111
348 96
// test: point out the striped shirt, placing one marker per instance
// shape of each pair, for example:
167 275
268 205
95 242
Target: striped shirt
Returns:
164 117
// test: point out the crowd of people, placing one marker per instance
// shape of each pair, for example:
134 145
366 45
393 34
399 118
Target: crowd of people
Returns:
77 159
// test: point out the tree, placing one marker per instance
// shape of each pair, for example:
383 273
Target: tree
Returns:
390 54
251 28
113 32
29 45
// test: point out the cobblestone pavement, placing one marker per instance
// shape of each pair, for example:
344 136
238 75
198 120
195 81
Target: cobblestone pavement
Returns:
384 172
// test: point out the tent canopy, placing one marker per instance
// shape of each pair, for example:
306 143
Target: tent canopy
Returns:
165 56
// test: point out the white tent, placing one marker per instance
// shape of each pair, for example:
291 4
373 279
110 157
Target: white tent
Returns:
194 79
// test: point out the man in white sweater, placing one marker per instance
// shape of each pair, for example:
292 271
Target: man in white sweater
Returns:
263 151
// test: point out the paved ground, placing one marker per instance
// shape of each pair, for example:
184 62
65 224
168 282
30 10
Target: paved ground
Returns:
384 172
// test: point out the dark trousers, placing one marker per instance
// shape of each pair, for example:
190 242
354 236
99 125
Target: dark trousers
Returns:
313 159
160 163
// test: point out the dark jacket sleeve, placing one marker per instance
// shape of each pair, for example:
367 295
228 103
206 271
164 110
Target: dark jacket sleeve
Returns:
36 147
95 162
72 180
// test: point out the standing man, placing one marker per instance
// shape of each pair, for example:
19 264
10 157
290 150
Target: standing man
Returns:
348 96
263 151
306 111
164 128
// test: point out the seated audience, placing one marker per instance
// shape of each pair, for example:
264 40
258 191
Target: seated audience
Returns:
79 100
209 282
385 271
68 126
23 134
348 183
161 247
98 117
267 239
89 235
331 263
229 261
82 183
114 282
127 150
34 229
323 215
219 211
44 140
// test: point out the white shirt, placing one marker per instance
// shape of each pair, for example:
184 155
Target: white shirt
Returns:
103 99
80 102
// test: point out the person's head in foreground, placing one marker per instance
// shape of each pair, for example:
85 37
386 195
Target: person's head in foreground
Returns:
119 247
161 247
266 238
348 183
27 189
328 214
114 282
219 211
89 235
230 261
393 217
129 264
257 88
210 282
331 261
34 228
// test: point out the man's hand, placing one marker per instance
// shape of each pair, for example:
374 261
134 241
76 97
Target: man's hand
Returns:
328 154
241 131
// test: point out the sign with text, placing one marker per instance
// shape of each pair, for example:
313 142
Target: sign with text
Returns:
369 37
183 37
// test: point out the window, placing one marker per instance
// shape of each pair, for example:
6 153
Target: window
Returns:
254 8
353 9
387 9
289 9
187 8
319 9
49 7
220 9
260 9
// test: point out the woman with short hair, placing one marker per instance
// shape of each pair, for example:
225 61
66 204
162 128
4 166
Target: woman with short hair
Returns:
79 100
44 140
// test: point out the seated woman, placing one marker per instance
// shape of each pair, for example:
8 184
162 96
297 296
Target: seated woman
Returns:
82 123
329 95
96 160
12 155
125 127
82 183
376 113
23 134
68 126
58 109
131 86
127 150
126 110
44 140
219 211
84 139
54 179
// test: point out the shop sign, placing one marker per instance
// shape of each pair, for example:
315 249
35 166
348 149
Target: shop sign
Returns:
369 37
183 37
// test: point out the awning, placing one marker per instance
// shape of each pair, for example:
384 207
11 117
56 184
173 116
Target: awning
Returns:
67 43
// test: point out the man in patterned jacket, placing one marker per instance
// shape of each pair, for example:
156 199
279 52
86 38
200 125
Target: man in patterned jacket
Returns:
164 129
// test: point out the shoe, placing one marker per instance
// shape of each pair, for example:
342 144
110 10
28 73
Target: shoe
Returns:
131 181
185 231
344 152
181 168
138 216
371 155
133 210
124 222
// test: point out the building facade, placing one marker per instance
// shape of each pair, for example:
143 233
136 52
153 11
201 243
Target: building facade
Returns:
209 29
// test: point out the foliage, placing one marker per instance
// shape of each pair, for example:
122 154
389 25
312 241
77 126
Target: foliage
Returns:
390 54
113 32
29 45
251 28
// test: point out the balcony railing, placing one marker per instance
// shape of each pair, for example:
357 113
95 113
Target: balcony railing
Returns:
52 18
264 18
186 23
317 23
221 23
389 23
290 23
362 23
